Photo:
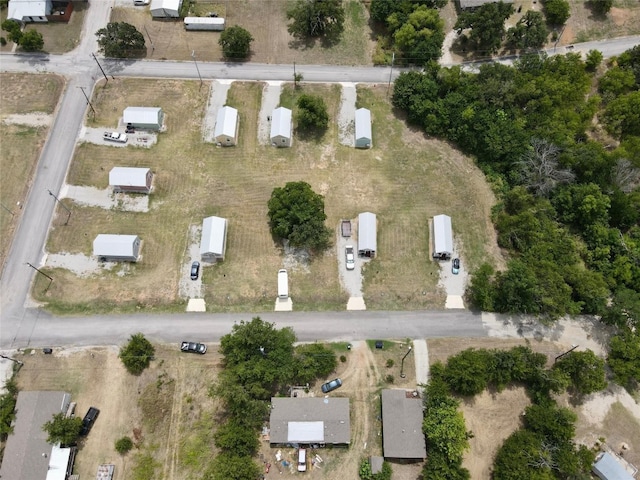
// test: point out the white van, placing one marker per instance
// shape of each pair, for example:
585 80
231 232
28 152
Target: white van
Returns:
283 284
302 460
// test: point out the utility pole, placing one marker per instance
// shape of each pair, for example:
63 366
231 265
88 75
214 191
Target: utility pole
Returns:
193 55
402 375
41 273
100 66
63 206
88 102
150 41
4 206
393 59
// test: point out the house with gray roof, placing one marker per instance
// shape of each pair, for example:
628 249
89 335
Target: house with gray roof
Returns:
607 467
310 421
402 417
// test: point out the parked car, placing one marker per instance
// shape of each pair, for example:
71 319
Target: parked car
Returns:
88 420
194 347
141 3
195 270
302 460
331 386
455 266
350 257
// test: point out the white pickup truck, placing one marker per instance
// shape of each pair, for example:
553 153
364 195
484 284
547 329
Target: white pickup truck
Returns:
115 137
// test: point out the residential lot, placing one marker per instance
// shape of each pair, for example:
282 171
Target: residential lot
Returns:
405 179
27 103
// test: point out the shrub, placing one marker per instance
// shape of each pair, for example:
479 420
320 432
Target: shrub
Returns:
137 354
123 445
390 363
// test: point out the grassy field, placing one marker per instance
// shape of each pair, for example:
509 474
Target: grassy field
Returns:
405 179
63 37
21 144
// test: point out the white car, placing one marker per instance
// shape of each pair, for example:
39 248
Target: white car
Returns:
350 257
141 3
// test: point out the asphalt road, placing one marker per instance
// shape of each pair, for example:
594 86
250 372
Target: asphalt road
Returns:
23 324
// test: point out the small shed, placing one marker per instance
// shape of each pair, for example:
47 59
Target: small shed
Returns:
204 23
26 11
607 467
116 248
367 231
281 127
226 131
213 242
363 128
442 237
144 118
165 8
130 179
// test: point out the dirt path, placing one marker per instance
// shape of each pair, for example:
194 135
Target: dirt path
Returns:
173 448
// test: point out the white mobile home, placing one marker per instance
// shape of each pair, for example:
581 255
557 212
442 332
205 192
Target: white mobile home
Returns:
165 8
363 128
607 467
226 131
204 23
213 242
116 248
144 118
25 11
367 234
281 127
129 179
442 237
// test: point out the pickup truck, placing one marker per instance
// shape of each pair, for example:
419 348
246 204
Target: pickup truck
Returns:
345 226
115 137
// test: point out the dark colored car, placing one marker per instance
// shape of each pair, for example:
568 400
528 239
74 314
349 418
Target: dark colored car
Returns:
194 347
331 386
455 266
195 270
88 420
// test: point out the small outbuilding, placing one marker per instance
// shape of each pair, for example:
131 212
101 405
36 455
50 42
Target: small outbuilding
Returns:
117 248
165 8
363 128
143 118
213 242
130 179
402 416
27 11
607 467
442 237
227 124
281 127
204 23
367 234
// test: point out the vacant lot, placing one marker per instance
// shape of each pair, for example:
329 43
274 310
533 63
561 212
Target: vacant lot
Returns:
265 20
583 25
405 179
26 105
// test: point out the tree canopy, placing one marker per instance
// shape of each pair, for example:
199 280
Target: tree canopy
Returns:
530 32
486 24
137 354
61 429
235 42
312 112
557 11
120 40
585 370
296 213
316 18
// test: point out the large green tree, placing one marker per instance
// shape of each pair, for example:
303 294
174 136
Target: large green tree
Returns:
557 11
420 38
624 359
228 466
316 18
529 32
235 42
137 354
486 24
234 437
61 429
312 112
622 115
585 370
120 40
296 213
31 41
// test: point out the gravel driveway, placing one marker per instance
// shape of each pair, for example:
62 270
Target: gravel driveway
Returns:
347 114
217 100
270 101
351 280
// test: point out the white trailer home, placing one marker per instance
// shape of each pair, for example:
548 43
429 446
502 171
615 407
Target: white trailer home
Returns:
204 23
281 127
442 237
226 131
363 128
165 8
116 248
144 118
131 179
26 11
213 242
367 234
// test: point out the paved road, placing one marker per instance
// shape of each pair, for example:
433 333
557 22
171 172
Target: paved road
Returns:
24 324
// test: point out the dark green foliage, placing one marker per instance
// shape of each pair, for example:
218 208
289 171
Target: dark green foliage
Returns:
513 460
557 11
123 445
120 40
624 359
364 472
312 112
585 370
31 41
228 466
529 32
631 60
438 467
137 354
600 7
622 115
235 42
556 424
593 60
625 310
316 18
13 29
7 407
312 361
420 38
296 213
486 24
617 81
481 292
235 437
582 205
61 429
467 372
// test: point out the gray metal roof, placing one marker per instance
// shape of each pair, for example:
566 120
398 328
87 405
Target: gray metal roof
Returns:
367 230
27 453
214 236
332 411
281 123
608 468
363 124
142 115
402 417
129 176
478 3
442 234
111 245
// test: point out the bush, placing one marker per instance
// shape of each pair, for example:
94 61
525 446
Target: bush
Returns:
137 354
343 358
312 112
235 42
389 378
123 445
390 363
3 41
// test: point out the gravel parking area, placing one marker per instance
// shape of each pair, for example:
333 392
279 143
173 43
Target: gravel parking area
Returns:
453 284
351 280
217 100
137 139
270 101
347 114
191 288
105 198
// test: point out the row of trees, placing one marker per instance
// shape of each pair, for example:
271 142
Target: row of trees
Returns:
29 40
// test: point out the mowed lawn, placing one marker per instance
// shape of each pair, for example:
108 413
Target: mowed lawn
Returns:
404 179
21 143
